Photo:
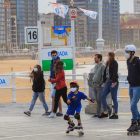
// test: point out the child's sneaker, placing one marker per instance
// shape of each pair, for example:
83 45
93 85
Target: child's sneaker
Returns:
27 113
52 115
59 114
46 114
71 127
79 128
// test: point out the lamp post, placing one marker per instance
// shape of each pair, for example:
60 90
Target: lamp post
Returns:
100 41
73 42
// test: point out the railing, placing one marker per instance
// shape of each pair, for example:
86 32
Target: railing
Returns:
85 76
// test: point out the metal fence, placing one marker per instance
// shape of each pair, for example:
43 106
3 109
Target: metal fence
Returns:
85 77
20 49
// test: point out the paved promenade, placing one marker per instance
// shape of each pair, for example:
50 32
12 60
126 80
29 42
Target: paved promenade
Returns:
14 125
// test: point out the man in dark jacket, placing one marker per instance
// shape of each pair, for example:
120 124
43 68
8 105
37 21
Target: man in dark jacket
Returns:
55 57
133 65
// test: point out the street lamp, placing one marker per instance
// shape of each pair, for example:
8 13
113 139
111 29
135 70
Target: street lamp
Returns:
100 41
73 41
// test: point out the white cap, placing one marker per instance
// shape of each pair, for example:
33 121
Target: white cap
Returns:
130 48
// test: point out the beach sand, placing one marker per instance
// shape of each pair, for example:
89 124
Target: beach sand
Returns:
25 65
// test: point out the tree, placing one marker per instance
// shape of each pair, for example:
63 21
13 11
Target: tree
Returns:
121 18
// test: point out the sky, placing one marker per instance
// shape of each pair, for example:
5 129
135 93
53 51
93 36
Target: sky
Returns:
125 5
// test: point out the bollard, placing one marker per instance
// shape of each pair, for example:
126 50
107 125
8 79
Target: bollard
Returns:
13 88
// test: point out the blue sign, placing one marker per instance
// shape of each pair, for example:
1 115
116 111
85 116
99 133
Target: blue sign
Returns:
4 81
61 53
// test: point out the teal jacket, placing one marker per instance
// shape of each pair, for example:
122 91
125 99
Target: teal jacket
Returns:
98 74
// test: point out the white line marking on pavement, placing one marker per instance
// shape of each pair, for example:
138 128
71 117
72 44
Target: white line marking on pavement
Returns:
108 130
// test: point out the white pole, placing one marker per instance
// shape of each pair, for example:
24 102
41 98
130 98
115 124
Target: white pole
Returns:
100 18
13 89
40 42
100 41
73 43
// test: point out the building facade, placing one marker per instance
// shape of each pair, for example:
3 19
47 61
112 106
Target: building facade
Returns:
80 24
13 29
46 19
130 34
7 22
136 6
26 12
111 19
2 22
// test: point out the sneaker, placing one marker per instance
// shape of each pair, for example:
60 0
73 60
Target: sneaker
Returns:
59 114
113 116
46 114
27 113
103 115
52 115
94 116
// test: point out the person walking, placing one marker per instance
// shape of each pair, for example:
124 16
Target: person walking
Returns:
98 82
38 88
110 84
61 88
133 65
55 58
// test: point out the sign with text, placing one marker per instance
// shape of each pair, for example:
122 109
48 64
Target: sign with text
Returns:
4 81
31 35
65 55
56 36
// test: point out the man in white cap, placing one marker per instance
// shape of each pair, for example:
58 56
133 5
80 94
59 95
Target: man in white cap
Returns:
133 65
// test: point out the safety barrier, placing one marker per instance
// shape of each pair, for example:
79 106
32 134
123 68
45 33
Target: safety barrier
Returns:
85 76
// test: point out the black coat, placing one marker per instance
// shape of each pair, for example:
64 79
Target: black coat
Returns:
39 85
113 72
134 72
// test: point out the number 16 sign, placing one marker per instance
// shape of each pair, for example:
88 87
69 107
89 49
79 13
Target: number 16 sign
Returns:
31 35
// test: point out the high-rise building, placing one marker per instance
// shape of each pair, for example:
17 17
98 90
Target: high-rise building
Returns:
46 19
136 6
111 19
13 29
2 22
26 12
7 22
81 21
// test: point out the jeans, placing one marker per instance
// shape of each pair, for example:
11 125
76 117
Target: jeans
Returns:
134 93
41 98
107 89
97 92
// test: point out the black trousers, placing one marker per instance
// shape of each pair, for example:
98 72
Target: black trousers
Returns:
62 92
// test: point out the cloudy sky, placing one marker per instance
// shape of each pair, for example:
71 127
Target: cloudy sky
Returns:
125 5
